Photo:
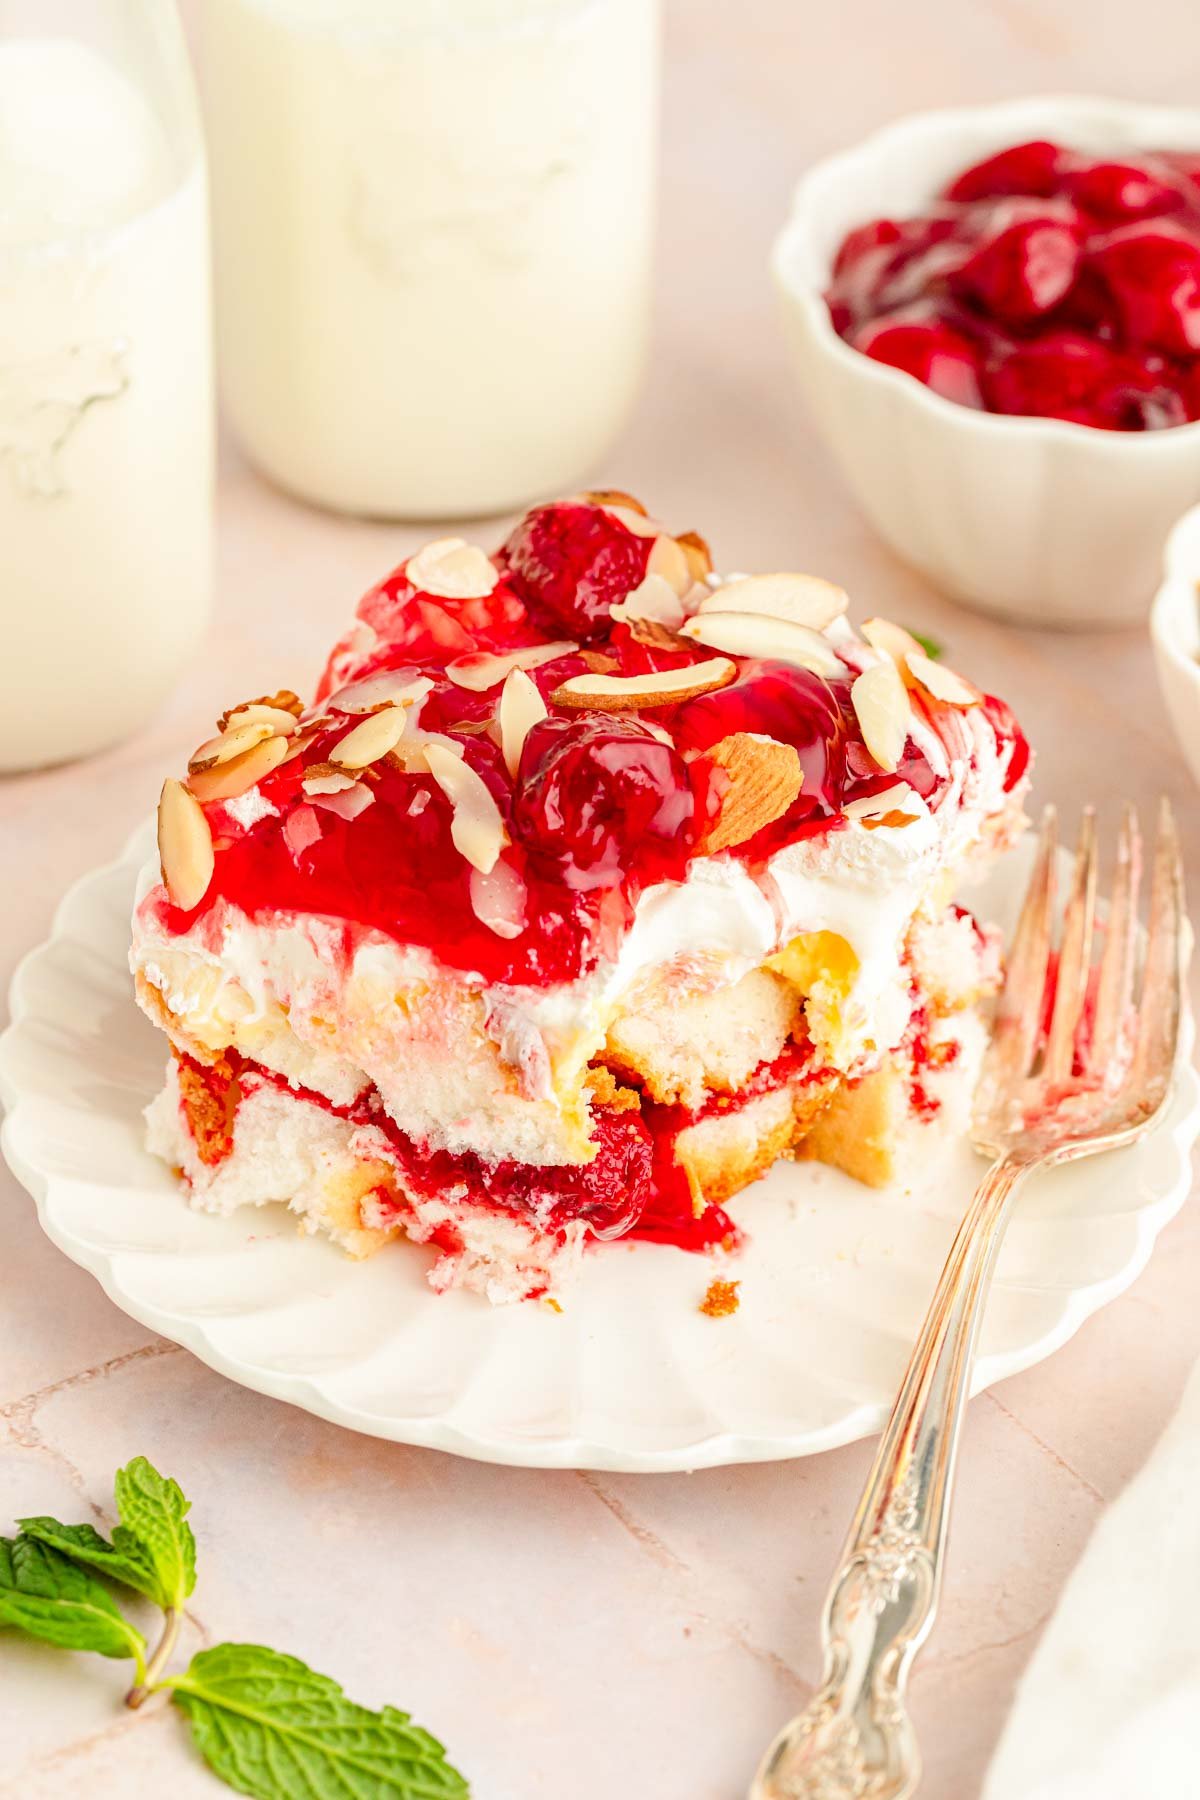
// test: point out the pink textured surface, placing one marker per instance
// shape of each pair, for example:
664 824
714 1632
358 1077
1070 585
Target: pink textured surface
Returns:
487 1601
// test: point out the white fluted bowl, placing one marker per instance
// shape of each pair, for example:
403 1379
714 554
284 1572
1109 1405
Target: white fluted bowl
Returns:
1033 519
1175 634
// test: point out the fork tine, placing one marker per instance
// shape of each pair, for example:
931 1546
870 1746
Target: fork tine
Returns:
1162 970
1019 1009
1074 957
1114 989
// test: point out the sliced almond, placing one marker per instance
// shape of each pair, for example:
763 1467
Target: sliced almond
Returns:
614 497
480 670
799 599
639 523
477 829
884 715
765 778
600 664
652 633
891 640
325 778
227 780
897 798
228 744
655 600
185 846
698 554
282 702
631 693
939 681
521 706
390 687
499 899
409 754
378 733
451 569
669 560
754 634
347 803
261 712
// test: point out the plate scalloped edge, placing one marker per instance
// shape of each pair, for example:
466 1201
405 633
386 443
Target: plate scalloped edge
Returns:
590 1449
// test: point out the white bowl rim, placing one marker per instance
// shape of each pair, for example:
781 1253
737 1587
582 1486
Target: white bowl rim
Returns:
1180 583
883 142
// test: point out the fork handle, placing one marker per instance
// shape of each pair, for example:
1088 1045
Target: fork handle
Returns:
884 1596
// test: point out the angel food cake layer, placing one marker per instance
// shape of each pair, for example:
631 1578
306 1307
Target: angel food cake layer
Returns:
588 885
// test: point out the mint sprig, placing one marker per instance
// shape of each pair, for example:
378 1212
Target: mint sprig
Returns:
267 1724
930 645
48 1597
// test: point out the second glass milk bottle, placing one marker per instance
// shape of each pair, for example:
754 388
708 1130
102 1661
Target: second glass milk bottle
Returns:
433 229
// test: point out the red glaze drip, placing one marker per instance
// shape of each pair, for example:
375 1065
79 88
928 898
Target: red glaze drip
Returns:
1042 282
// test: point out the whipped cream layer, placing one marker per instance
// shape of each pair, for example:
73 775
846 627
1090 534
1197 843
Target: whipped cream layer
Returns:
463 1065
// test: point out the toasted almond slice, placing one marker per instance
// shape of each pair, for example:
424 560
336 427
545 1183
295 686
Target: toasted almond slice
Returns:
390 687
451 569
476 828
614 497
699 556
409 754
939 681
228 744
347 802
630 693
891 640
262 712
754 634
185 846
765 777
283 701
325 778
646 631
499 899
479 671
600 664
800 599
900 797
639 523
521 706
653 599
365 743
884 715
669 559
229 779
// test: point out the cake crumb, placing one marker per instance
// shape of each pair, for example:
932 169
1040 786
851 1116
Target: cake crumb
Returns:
721 1299
551 1302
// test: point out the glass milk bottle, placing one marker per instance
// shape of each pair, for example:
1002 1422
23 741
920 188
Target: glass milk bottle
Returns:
105 373
433 228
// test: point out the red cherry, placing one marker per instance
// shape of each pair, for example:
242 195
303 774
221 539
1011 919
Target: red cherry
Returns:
1123 190
885 265
876 235
1053 377
1142 396
1025 268
921 343
602 797
1153 274
1032 169
570 562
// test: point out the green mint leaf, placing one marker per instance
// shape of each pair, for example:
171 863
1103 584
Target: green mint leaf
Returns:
44 1594
272 1728
933 650
124 1559
153 1523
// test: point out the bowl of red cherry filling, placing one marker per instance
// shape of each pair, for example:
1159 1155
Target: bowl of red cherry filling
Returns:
994 314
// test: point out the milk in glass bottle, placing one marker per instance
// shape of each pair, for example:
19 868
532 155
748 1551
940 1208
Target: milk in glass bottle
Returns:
433 228
105 372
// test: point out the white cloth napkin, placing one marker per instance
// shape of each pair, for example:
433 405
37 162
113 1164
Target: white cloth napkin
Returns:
1109 1706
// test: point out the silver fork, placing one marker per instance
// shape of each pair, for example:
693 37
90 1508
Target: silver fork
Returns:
1094 1077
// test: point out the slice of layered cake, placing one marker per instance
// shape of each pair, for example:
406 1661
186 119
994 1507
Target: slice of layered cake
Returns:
588 885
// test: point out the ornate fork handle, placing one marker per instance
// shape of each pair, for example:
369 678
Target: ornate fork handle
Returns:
854 1740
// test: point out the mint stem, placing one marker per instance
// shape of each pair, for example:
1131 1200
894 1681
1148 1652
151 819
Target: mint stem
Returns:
148 1676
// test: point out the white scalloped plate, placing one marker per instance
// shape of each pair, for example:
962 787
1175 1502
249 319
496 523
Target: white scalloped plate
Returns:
834 1278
